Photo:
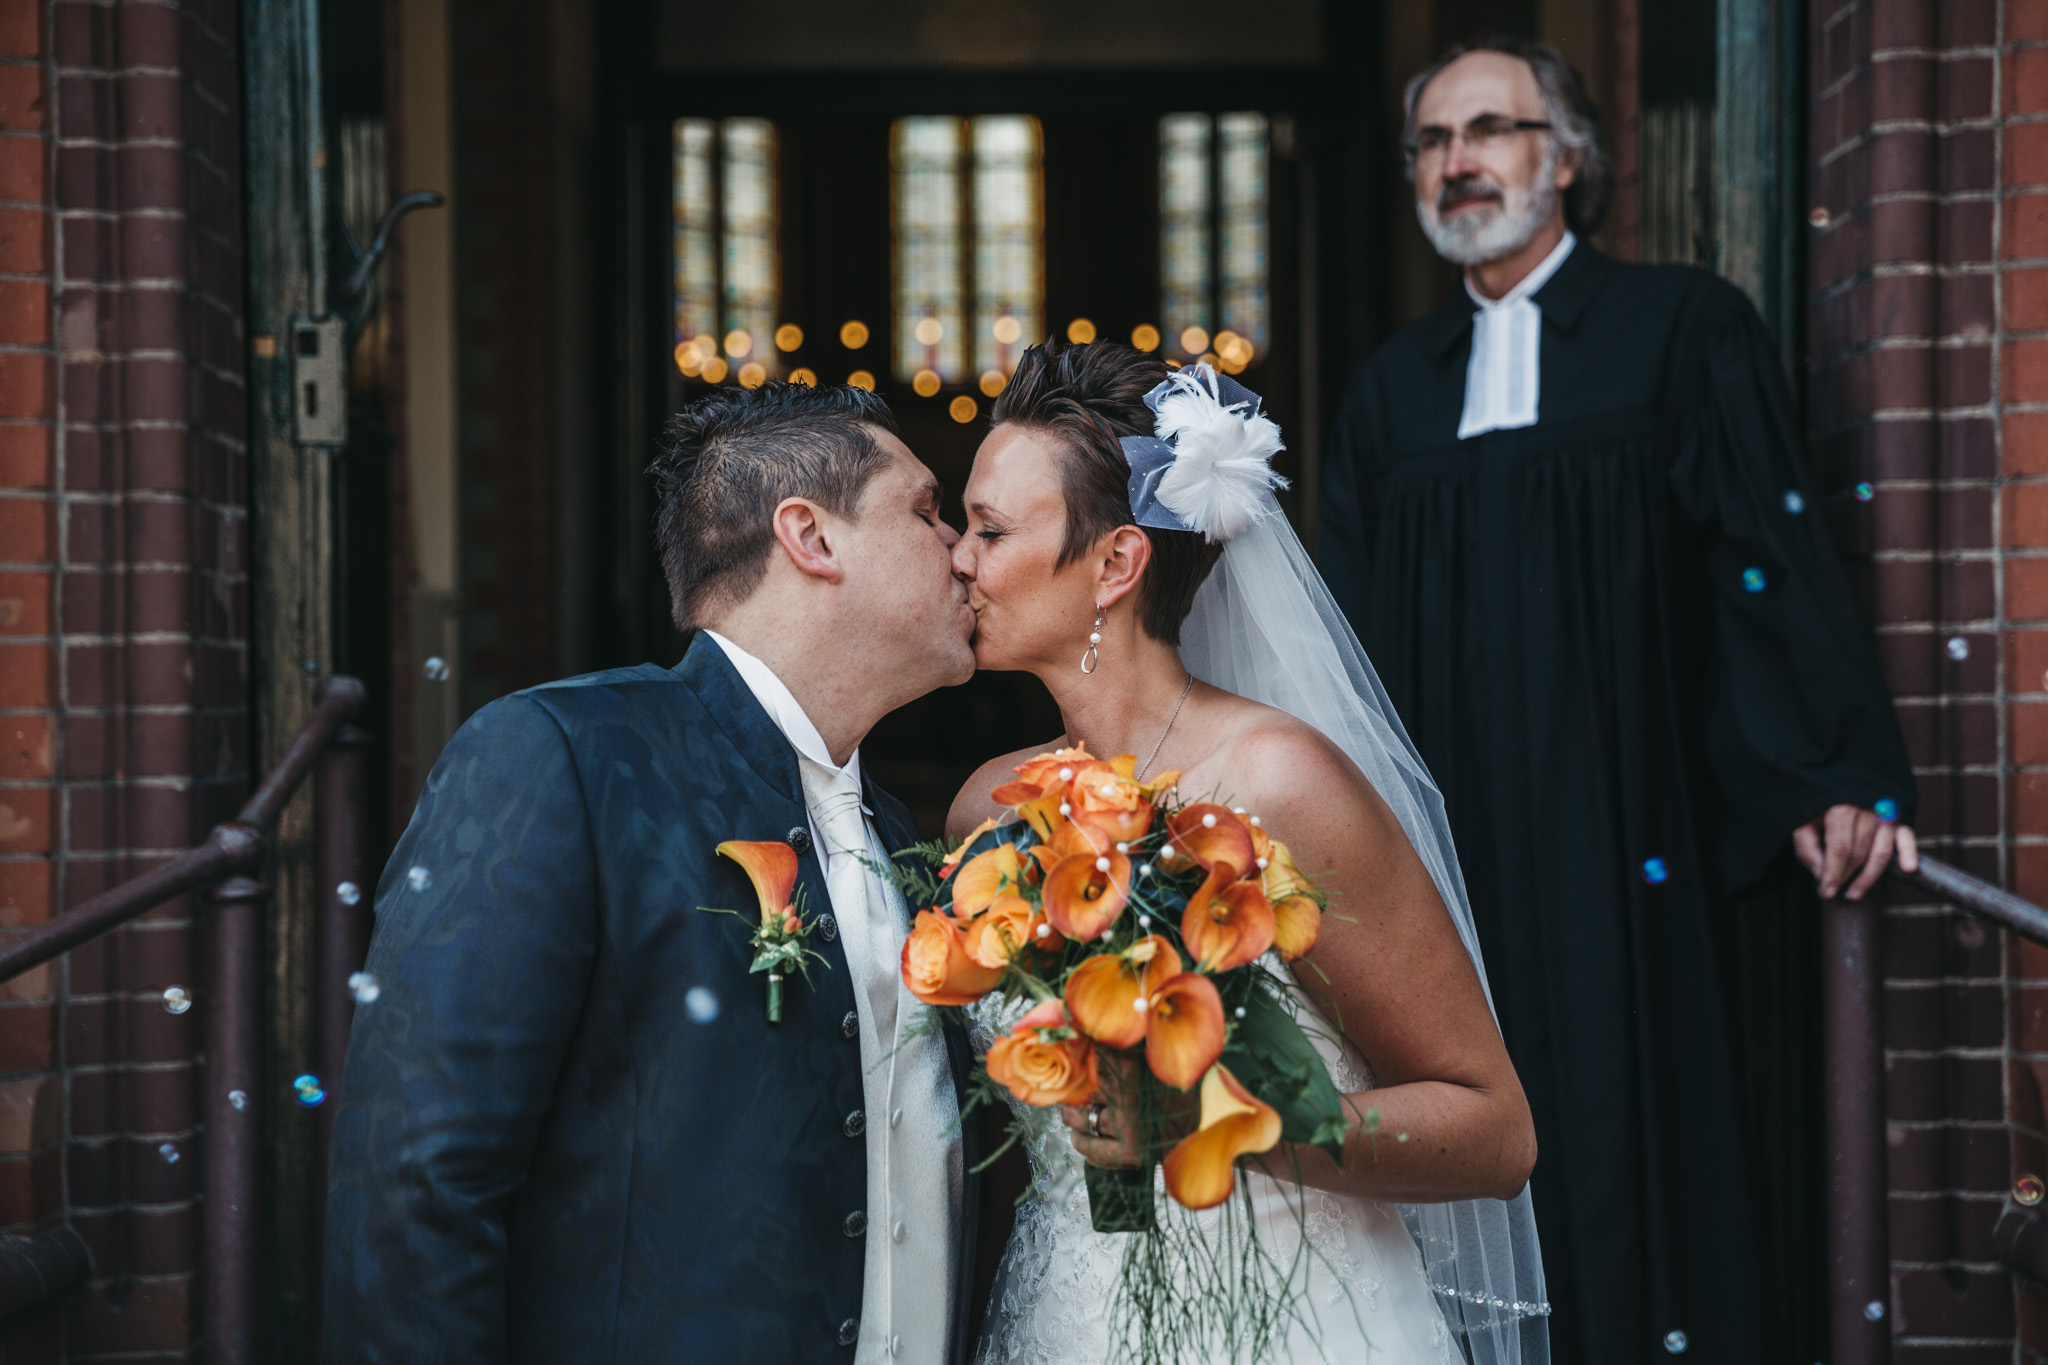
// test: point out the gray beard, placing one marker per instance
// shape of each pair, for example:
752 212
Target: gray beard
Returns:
1480 236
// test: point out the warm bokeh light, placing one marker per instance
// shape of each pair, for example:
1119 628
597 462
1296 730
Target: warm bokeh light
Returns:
714 370
861 379
738 343
1206 358
1080 331
992 382
1233 352
928 331
804 375
1194 340
925 383
1007 329
753 375
1145 337
788 337
853 335
963 408
686 358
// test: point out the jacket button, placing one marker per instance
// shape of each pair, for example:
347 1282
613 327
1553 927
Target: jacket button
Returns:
850 1025
856 1123
799 839
829 927
856 1224
849 1331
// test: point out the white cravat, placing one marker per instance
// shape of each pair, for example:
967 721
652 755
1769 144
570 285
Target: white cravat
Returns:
910 1116
1504 377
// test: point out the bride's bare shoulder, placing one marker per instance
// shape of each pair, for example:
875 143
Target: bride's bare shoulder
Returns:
1274 760
972 805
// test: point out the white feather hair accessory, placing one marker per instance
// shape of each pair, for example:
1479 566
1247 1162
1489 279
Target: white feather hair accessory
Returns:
1210 467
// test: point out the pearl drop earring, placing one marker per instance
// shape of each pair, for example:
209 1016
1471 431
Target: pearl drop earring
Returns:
1094 654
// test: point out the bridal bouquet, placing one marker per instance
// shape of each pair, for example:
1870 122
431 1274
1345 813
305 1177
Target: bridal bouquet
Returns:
1134 931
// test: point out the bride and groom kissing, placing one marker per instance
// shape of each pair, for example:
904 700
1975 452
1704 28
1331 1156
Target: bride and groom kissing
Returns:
568 1129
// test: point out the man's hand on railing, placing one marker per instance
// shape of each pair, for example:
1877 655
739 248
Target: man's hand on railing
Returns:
1851 837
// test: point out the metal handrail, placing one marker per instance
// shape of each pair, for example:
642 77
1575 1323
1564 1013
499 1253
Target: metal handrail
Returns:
36 1270
236 846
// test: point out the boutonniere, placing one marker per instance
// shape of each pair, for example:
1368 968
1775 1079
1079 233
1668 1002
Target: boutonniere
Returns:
782 942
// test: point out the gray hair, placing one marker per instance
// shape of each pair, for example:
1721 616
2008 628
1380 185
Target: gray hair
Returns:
1574 122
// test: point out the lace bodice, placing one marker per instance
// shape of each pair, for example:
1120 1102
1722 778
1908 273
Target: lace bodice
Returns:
1054 1291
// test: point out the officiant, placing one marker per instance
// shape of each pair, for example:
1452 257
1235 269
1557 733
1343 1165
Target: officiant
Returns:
1569 516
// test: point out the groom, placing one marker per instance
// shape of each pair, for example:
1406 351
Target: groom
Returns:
567 1130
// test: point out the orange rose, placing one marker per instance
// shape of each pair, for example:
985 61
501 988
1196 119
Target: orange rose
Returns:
1044 1060
1009 927
1110 803
936 966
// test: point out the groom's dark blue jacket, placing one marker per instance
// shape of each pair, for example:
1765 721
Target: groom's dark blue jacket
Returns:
542 1153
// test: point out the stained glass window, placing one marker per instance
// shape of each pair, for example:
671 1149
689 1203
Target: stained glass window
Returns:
1213 282
1184 231
727 265
1009 243
970 218
926 157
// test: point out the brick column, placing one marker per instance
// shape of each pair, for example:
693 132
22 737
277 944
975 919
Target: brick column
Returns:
1920 370
123 628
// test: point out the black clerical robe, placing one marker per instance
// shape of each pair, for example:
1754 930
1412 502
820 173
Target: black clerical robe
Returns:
1624 645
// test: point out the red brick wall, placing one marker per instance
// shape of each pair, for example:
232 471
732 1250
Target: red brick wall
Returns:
1926 370
123 618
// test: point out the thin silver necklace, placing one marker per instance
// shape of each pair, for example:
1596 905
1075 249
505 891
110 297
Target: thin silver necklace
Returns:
1144 767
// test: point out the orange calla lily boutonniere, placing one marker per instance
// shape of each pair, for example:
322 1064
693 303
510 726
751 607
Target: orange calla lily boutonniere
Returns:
1110 919
781 943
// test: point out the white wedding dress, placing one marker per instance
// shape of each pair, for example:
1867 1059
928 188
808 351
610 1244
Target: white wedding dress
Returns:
1361 1281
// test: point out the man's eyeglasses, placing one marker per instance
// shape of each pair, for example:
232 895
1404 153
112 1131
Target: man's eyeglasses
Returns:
1488 132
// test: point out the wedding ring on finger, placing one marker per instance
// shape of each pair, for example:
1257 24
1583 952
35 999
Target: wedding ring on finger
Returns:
1095 1120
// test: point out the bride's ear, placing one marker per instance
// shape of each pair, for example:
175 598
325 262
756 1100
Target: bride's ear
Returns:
1124 561
800 530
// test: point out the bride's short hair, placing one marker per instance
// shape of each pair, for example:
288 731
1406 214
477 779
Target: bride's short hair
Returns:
1089 396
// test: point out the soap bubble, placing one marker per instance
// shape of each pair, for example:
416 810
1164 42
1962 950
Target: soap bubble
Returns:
701 1004
348 893
169 1152
1654 871
1794 502
1752 580
239 1099
308 1090
363 987
1887 810
1874 1310
177 999
418 878
1864 492
1958 648
436 669
1675 1342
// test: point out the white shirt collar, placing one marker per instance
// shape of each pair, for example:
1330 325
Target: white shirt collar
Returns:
1530 282
783 708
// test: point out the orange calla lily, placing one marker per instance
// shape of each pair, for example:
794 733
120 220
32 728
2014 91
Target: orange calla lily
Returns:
986 876
1039 776
771 866
1010 926
936 966
1227 923
965 844
1084 894
1201 1168
1214 837
1102 993
1183 1029
1298 920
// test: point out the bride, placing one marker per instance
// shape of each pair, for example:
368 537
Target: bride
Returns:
1124 545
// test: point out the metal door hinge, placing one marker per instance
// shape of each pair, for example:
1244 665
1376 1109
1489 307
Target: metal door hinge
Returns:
319 381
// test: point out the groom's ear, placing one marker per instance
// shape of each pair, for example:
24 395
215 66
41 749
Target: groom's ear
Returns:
1125 555
800 529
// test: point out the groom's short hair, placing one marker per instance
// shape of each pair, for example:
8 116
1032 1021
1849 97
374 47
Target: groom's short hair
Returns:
732 457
